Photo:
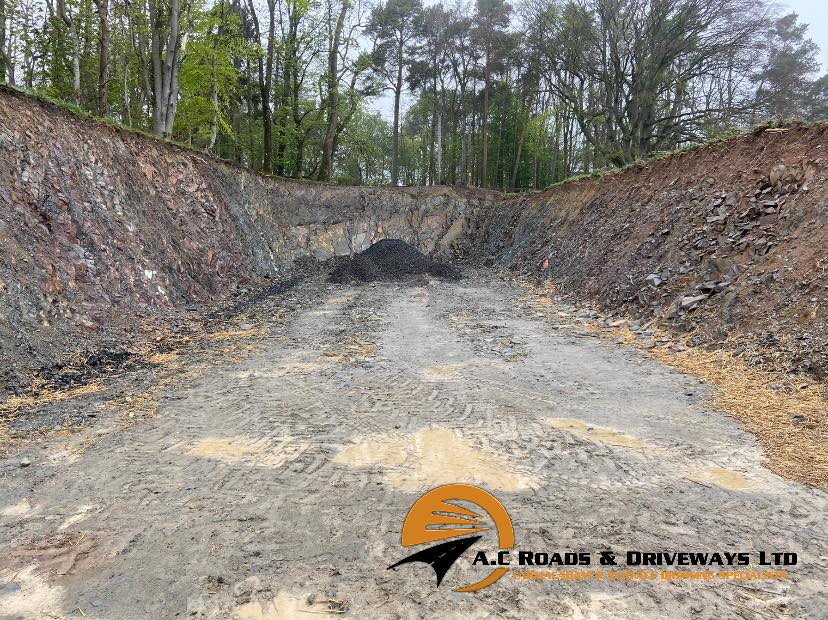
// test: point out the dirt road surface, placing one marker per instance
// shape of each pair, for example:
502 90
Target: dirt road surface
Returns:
274 484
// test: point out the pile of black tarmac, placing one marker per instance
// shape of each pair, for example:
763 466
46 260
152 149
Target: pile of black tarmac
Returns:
389 260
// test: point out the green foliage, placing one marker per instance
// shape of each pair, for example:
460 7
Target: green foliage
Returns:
569 87
784 86
209 76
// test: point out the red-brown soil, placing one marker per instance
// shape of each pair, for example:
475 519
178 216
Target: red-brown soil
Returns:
726 245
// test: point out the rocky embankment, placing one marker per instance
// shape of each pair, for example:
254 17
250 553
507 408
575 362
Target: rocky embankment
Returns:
726 246
103 229
106 232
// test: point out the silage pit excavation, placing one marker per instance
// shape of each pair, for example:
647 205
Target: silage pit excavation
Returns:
228 394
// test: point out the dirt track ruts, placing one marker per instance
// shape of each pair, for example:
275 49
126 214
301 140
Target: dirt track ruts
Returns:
277 484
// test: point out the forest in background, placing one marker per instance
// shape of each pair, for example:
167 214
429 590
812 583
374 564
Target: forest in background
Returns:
503 96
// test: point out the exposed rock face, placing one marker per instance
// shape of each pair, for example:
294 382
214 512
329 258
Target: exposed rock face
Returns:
727 244
101 227
102 230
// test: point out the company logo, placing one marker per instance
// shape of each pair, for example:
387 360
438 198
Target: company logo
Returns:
458 514
462 514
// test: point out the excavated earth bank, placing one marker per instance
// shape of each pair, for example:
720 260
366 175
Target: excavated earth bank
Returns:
260 459
727 245
104 231
108 234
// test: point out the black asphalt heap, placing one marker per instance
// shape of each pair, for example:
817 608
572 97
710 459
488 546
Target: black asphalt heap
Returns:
389 260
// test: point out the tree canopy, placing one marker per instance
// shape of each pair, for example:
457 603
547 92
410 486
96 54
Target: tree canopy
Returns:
489 93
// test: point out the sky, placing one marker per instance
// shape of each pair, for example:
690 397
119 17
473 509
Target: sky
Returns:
812 12
815 14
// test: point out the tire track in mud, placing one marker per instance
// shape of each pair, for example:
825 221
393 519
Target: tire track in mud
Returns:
235 494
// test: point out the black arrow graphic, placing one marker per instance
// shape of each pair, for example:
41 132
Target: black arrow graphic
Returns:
440 557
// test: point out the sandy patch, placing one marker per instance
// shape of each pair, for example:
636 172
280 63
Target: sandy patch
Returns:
232 334
79 516
435 456
255 452
18 509
303 367
34 598
24 402
722 477
442 373
65 456
324 312
287 368
597 434
287 607
162 358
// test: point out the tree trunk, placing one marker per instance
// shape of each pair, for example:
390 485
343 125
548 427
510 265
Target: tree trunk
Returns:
464 158
214 105
432 156
170 61
484 163
518 151
265 77
267 89
326 169
299 165
137 31
103 55
127 110
73 35
214 100
291 86
395 139
439 147
4 60
251 112
158 109
166 67
172 103
472 155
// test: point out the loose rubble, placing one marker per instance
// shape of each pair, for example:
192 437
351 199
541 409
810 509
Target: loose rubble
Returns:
389 260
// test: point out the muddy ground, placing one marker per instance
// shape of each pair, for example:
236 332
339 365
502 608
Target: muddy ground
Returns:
264 471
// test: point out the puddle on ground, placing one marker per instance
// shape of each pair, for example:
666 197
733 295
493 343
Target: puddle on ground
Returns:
444 372
261 452
287 607
722 477
597 434
436 456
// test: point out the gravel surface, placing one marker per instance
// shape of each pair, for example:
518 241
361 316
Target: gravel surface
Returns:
273 476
